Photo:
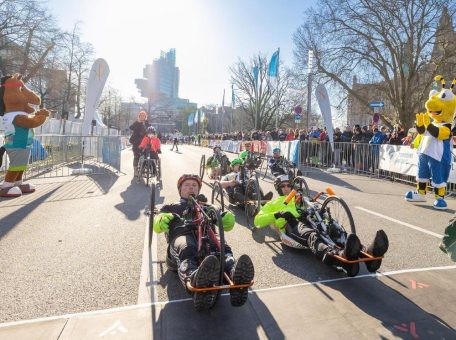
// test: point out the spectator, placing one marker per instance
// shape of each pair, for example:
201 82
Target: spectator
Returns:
282 135
138 129
290 135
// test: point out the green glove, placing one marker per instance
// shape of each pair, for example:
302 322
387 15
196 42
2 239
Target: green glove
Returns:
161 222
228 220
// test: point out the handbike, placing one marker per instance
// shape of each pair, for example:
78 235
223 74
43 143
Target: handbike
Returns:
207 224
220 170
330 218
287 167
146 169
250 186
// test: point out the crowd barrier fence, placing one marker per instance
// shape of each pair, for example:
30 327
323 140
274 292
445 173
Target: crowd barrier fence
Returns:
394 162
57 155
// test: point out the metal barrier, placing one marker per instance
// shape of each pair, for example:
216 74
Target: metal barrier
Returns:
57 156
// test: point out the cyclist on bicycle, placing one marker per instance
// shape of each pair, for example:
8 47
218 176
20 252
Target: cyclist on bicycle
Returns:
296 230
274 163
150 145
217 163
184 248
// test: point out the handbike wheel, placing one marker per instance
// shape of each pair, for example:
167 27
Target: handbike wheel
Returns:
202 166
300 184
352 269
217 196
252 202
152 211
216 218
340 212
373 266
147 172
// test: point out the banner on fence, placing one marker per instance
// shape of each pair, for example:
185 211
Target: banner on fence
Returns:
111 151
397 158
404 160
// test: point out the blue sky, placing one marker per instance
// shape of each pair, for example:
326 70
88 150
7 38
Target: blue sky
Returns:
209 36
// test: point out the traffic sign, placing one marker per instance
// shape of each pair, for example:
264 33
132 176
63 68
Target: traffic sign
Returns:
298 116
298 109
377 104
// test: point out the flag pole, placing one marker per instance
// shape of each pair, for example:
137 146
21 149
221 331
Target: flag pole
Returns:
277 88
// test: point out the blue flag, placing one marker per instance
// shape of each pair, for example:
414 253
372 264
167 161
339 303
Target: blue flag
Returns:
274 64
255 74
190 119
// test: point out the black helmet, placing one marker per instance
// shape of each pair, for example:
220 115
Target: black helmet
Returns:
278 182
150 129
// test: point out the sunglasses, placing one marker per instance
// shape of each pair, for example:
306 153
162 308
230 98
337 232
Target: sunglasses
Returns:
285 186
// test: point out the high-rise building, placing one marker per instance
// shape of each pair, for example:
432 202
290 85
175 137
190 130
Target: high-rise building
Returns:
161 78
160 86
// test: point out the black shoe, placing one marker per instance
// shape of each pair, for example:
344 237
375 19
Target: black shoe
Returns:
380 244
206 276
242 273
352 248
268 196
240 198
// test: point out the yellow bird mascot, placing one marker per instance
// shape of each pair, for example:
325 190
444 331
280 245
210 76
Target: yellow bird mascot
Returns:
435 148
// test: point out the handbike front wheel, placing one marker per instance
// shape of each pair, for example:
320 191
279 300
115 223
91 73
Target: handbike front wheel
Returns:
152 211
217 196
252 204
340 212
216 218
300 184
202 166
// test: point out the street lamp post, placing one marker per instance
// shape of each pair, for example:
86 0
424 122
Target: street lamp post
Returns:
309 85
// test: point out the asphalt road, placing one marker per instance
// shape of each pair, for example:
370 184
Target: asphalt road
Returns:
77 244
277 265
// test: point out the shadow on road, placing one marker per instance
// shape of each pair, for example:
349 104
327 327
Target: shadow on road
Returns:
12 220
181 321
328 178
135 198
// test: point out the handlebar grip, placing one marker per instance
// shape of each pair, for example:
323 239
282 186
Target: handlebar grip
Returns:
290 196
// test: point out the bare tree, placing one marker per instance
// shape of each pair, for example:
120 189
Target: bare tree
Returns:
386 43
261 100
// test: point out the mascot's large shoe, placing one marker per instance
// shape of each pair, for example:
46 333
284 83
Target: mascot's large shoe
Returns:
414 196
440 204
19 120
10 192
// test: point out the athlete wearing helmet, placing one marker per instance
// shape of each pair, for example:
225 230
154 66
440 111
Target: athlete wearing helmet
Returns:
150 145
218 163
231 182
296 231
274 163
183 248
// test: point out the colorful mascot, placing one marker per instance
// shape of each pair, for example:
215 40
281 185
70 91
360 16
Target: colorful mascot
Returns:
18 124
435 148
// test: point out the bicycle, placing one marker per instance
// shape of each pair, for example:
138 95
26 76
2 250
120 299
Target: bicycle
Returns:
207 224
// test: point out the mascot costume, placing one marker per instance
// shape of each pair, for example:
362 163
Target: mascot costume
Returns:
18 124
435 148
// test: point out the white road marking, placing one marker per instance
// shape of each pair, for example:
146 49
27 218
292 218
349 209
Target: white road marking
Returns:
147 280
408 225
162 303
114 329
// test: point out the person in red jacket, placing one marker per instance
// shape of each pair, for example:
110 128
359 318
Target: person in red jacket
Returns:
150 145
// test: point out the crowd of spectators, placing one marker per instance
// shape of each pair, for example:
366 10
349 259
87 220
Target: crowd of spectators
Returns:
368 134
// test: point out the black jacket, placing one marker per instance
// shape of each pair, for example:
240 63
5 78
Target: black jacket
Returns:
139 131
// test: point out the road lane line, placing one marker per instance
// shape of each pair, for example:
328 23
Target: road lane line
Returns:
146 282
163 303
408 225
